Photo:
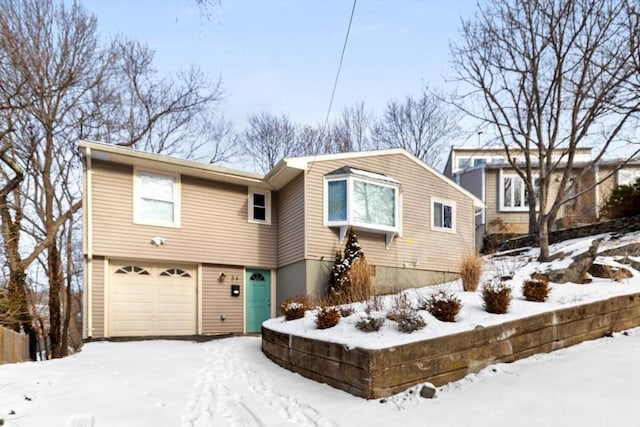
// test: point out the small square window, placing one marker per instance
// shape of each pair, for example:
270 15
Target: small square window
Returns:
443 216
259 207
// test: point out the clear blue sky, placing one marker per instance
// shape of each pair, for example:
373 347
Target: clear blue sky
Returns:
282 56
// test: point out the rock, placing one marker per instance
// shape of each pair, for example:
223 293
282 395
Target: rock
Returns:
632 249
608 272
600 270
428 391
577 271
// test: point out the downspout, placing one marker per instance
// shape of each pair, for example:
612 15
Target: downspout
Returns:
89 241
596 171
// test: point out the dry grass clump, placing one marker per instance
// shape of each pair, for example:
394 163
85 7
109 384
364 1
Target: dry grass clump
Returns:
401 304
443 305
470 271
294 308
496 297
536 290
370 323
327 317
360 280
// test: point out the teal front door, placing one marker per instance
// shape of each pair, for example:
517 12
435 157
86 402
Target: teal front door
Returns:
258 298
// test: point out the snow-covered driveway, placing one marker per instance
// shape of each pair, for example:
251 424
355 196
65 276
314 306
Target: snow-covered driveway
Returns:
229 382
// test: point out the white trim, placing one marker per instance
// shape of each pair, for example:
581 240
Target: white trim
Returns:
267 200
199 299
244 300
88 211
484 196
596 172
501 205
107 297
176 198
454 210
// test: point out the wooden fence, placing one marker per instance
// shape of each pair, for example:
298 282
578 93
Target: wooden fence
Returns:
14 347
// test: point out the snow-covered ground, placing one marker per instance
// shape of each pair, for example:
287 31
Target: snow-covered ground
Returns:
229 382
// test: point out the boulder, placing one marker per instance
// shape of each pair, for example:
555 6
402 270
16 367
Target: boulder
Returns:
577 271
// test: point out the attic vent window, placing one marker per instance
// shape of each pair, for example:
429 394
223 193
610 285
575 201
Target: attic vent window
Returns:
366 200
175 272
132 269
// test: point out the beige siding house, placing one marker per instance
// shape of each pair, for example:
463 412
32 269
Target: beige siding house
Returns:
485 172
175 247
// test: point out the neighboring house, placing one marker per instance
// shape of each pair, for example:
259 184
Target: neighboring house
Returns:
176 247
487 174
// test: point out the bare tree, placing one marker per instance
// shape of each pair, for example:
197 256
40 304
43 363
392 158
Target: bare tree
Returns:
551 76
423 125
268 139
352 130
66 84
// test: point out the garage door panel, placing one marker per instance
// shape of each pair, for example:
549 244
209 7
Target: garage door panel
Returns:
159 301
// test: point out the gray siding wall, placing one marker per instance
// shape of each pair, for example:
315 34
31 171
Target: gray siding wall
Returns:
292 281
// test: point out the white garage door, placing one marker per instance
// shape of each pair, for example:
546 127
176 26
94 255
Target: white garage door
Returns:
151 300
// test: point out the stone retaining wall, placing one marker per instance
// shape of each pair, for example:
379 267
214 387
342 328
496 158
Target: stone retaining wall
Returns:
374 374
620 225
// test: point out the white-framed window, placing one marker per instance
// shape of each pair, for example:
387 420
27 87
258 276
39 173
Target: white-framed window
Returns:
366 203
443 215
628 176
156 199
514 195
260 206
467 162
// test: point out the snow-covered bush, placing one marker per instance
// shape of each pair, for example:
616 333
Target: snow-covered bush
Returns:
442 305
327 317
409 321
294 308
370 323
496 296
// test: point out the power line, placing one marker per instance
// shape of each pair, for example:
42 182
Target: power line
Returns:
335 82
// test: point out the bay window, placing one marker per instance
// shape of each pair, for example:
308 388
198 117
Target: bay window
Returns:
361 199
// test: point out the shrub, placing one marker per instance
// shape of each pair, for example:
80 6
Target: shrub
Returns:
409 321
294 308
536 290
624 201
346 311
340 289
496 297
327 317
443 305
370 323
470 271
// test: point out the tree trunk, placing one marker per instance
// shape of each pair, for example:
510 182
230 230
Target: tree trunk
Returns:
543 234
55 288
18 300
